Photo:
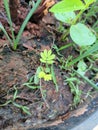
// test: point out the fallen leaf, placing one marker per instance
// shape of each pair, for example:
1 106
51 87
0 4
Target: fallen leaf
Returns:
79 111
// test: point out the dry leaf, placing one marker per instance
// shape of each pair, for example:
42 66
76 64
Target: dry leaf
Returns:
79 111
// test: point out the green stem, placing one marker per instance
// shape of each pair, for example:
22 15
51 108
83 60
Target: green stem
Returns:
65 46
74 22
3 29
87 80
78 16
6 5
26 20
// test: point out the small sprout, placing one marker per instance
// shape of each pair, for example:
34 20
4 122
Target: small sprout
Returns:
47 57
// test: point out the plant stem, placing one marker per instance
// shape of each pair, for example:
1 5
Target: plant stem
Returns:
6 5
78 16
74 22
87 80
26 20
43 95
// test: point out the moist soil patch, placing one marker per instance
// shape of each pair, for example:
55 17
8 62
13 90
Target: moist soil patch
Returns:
17 67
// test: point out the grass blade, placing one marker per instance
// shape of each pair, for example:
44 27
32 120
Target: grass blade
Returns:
27 19
91 50
3 29
54 78
87 80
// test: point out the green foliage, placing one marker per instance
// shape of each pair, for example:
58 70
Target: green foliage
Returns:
54 78
73 83
87 80
36 78
15 41
79 32
88 52
66 17
67 6
25 109
47 72
89 1
45 76
92 11
82 35
47 57
82 67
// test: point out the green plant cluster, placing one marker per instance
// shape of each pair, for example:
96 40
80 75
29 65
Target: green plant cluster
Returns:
83 38
15 40
65 11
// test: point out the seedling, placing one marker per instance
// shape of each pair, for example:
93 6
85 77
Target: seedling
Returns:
93 85
48 59
47 72
15 40
73 83
44 72
25 109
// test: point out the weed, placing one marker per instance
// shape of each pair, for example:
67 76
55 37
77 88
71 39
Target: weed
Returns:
87 80
64 11
73 83
83 36
15 40
25 109
87 53
45 71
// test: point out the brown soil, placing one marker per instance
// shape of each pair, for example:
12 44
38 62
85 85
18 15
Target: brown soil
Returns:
16 68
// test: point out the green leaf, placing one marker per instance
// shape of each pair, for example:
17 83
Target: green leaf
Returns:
90 51
45 52
82 67
66 17
47 57
43 56
26 110
6 5
89 1
50 62
4 31
54 78
31 86
87 80
82 35
49 53
51 57
67 6
42 60
15 93
47 70
36 78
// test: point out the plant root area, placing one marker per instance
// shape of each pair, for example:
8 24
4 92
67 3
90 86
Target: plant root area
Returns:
17 67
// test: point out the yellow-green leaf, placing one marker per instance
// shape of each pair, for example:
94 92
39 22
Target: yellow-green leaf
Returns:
67 6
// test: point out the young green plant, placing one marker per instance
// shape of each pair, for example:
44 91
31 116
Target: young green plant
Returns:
25 109
73 83
82 35
47 72
64 11
44 72
15 40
